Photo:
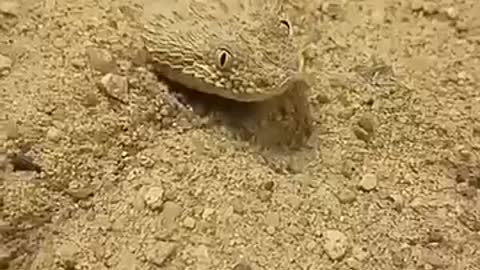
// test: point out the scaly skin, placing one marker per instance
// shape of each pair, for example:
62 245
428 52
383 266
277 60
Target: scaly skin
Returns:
237 49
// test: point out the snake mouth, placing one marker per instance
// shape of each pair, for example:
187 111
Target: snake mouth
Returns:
296 82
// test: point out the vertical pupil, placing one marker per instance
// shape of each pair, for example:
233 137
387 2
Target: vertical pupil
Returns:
223 59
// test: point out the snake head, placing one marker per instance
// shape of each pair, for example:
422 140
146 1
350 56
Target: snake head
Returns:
238 49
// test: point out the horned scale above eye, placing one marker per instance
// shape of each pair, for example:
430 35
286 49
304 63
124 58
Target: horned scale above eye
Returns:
286 24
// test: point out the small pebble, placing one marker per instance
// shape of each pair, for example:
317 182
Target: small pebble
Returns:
416 5
368 182
361 134
238 207
11 8
466 190
77 63
268 185
306 180
53 134
101 60
430 7
398 202
264 195
335 244
462 76
189 223
171 211
346 196
115 86
67 252
311 245
5 65
140 58
346 114
353 264
463 174
309 53
333 9
323 98
367 122
154 197
270 230
295 165
161 252
359 253
207 212
430 258
294 201
435 236
170 195
90 99
11 130
80 193
462 25
60 43
348 169
452 13
126 259
203 257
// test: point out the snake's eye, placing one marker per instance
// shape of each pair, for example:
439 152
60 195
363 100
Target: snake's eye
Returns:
286 26
224 59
